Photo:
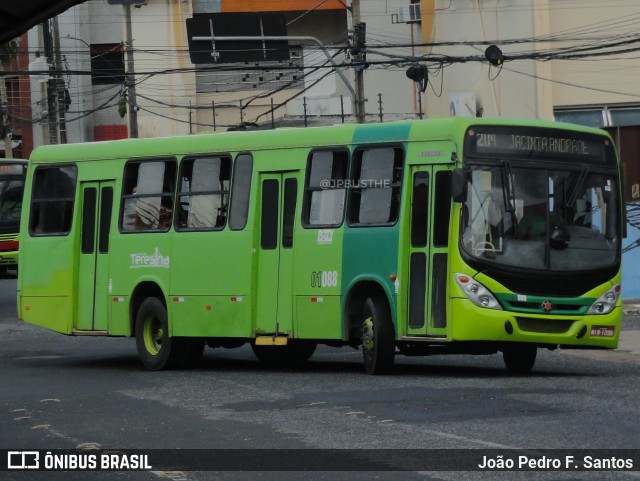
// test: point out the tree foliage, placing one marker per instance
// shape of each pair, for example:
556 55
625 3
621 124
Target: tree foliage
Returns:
8 51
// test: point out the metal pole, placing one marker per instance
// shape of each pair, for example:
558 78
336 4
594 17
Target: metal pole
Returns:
59 81
342 108
419 104
51 85
273 119
380 106
131 79
241 112
360 100
213 109
304 106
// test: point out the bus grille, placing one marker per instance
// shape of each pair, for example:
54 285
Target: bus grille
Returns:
568 309
546 326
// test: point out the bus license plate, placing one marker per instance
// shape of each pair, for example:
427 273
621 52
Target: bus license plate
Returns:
602 331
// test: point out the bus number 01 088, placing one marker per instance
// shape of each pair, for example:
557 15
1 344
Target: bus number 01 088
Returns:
324 279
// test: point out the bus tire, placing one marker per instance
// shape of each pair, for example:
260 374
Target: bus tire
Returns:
157 351
378 337
520 358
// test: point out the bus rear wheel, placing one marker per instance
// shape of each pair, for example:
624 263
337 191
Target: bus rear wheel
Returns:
520 358
378 337
157 351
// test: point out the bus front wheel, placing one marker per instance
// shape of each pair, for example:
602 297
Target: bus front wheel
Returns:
156 349
520 358
378 338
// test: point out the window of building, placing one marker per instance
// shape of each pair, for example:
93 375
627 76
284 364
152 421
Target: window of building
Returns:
590 117
107 63
239 212
621 117
374 197
204 193
54 190
147 197
611 115
325 188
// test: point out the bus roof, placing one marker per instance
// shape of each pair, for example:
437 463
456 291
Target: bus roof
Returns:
238 141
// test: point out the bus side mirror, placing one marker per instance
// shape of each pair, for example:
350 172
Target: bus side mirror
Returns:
459 185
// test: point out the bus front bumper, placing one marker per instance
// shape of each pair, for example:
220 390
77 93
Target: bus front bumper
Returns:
472 323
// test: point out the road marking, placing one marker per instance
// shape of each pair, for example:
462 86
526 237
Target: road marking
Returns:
481 442
173 475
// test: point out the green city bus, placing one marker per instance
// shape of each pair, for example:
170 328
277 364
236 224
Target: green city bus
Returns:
417 237
12 175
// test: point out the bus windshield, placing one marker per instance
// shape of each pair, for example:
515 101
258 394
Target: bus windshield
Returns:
541 218
11 188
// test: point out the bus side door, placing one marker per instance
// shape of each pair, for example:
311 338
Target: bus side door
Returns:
428 250
92 302
274 280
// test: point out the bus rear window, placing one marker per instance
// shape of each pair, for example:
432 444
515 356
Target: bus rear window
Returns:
54 191
241 192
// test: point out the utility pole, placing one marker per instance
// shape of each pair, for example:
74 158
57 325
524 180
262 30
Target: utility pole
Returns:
59 81
359 39
51 84
130 77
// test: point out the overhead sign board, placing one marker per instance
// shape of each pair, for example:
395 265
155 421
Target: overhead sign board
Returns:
212 26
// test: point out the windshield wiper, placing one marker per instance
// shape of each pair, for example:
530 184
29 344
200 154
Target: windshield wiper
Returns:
573 196
508 192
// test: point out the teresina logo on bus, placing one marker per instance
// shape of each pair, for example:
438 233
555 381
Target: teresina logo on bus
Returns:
150 260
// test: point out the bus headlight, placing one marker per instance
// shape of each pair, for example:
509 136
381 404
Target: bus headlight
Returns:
477 293
606 302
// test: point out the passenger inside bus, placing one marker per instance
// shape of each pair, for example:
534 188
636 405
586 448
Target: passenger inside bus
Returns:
533 224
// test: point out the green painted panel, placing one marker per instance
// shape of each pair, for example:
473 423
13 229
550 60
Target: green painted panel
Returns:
211 316
54 313
119 322
390 132
318 317
371 253
318 273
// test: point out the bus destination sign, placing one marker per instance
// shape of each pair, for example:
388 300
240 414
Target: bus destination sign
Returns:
520 144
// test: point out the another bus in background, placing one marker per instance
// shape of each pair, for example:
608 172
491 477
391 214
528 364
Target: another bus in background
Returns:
12 175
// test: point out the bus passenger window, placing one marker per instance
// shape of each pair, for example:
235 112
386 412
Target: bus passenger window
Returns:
374 197
325 188
240 192
204 193
54 191
148 195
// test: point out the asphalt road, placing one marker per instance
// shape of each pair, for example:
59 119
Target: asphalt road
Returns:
61 392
